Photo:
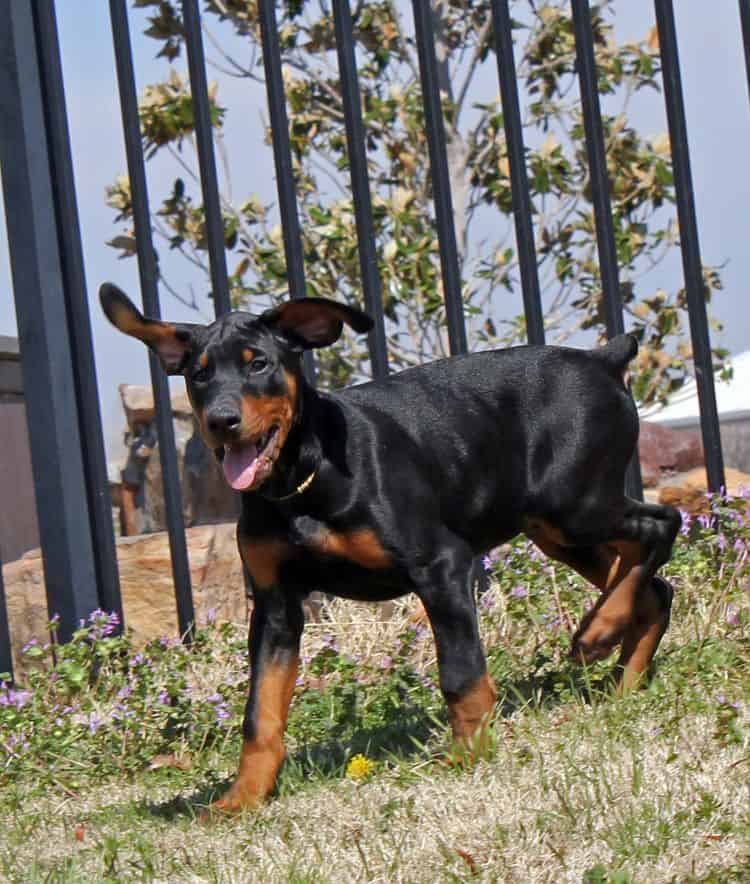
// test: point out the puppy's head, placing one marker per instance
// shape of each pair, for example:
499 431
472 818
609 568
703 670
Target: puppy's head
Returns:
242 372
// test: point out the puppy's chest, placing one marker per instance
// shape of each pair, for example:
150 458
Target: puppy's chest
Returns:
309 542
360 546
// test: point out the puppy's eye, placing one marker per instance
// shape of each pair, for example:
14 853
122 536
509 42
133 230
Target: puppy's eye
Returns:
201 375
258 364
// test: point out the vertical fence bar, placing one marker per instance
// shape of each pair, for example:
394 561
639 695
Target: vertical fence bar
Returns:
506 71
689 243
454 311
6 654
597 158
745 25
149 275
282 155
355 139
79 322
206 159
46 359
605 231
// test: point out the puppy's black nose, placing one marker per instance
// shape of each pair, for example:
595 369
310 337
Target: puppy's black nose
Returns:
223 421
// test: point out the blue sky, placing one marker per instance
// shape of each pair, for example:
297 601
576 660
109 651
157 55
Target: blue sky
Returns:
718 114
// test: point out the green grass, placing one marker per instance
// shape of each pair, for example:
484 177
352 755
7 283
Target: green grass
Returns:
580 785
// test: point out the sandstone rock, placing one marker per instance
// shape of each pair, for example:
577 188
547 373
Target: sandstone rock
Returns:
138 404
664 451
205 494
146 583
688 490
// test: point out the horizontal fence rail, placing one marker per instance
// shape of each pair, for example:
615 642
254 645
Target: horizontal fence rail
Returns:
47 259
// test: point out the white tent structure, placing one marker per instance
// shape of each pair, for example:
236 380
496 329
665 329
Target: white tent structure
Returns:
732 399
733 404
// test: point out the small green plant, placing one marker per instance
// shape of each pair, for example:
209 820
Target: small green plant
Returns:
112 750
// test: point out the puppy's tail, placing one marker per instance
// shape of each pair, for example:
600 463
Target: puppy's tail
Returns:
616 354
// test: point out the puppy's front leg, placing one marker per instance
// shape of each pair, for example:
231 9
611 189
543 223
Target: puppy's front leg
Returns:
275 632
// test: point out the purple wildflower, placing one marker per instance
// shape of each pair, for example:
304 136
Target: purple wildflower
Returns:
732 615
705 521
94 723
487 601
163 698
112 624
386 662
487 563
17 699
687 521
519 592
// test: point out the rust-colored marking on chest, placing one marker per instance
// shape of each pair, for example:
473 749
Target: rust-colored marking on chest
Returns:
263 558
361 547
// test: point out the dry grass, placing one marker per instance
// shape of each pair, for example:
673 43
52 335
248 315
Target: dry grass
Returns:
582 786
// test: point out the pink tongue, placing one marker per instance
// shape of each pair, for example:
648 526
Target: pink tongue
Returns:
240 466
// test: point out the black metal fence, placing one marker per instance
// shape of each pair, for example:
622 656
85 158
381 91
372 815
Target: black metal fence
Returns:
50 293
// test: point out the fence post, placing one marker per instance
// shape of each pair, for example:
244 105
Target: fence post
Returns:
282 156
433 113
745 25
355 140
149 276
605 231
519 182
6 655
689 244
206 160
43 329
74 279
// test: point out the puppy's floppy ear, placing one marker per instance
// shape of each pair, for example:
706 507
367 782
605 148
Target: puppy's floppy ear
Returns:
172 342
315 322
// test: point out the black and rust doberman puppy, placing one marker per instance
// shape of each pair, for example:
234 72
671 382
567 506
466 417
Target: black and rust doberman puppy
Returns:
394 487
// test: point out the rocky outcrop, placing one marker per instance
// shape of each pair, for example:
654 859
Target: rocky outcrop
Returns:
206 497
688 491
146 584
664 452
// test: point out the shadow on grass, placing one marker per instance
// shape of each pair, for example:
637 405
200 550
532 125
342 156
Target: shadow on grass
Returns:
570 682
402 733
190 806
399 737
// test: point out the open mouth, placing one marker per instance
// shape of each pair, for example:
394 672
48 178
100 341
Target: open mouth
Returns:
248 464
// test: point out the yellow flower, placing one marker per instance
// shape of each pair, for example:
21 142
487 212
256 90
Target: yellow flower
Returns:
359 767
